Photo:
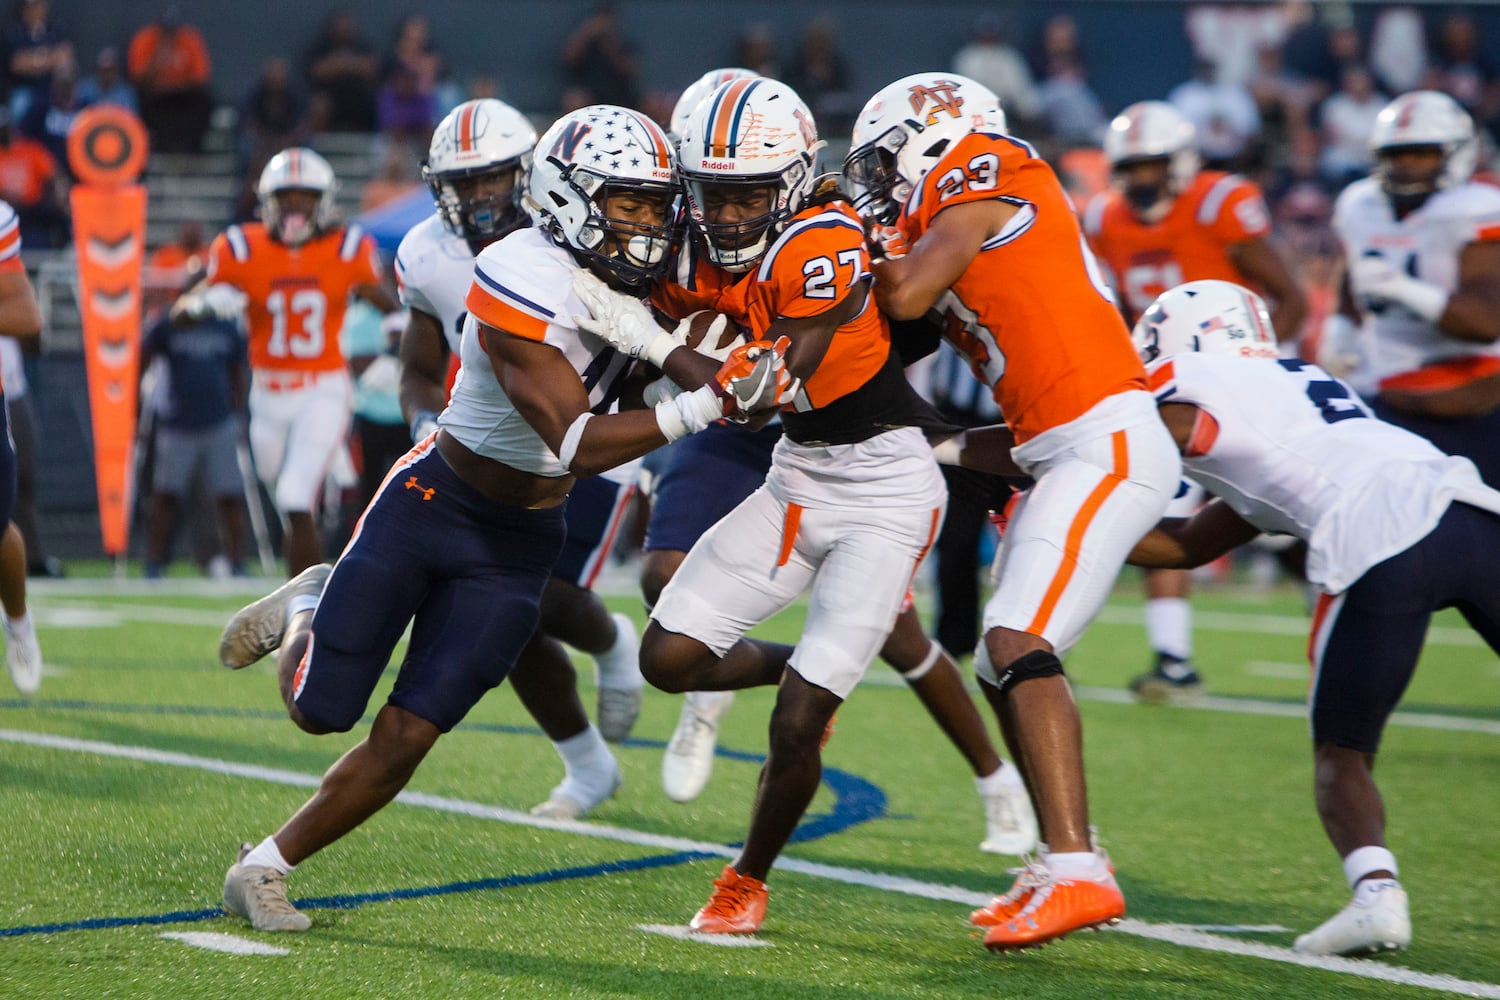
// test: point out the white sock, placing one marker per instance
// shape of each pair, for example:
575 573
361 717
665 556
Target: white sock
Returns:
1006 777
267 855
584 754
619 666
299 604
1078 864
1363 860
19 624
1169 626
706 702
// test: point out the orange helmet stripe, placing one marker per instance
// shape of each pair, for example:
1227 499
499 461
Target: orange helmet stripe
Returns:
466 127
663 154
724 118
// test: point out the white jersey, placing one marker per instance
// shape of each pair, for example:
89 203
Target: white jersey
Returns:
524 285
1426 244
434 269
1298 453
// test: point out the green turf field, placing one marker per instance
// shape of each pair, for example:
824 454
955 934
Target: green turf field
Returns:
126 784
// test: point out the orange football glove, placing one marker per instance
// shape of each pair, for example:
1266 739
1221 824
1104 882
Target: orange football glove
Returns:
754 378
887 242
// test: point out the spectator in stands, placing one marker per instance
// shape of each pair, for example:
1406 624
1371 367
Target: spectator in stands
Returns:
1346 120
1072 111
820 75
35 48
990 60
1282 99
22 424
49 121
1398 49
1224 115
756 50
169 65
31 182
107 84
343 71
201 424
1230 36
1464 71
1305 54
271 120
600 60
406 105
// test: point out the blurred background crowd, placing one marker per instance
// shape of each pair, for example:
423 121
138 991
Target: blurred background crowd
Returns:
1284 92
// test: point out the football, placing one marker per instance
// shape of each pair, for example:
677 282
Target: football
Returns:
698 327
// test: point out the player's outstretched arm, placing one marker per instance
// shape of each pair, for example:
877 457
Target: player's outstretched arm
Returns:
19 315
1259 262
424 369
983 449
906 287
1187 543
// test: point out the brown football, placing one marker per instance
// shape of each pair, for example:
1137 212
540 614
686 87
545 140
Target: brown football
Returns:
698 324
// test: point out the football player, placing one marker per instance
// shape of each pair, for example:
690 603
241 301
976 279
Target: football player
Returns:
475 165
297 268
1164 222
1395 530
1422 244
853 498
461 538
972 223
709 474
20 318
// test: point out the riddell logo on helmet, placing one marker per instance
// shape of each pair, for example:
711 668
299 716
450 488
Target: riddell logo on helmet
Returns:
717 164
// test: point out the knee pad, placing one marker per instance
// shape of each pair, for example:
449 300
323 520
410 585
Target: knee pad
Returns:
1037 663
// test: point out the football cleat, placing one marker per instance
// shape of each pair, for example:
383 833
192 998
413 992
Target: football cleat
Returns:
259 895
22 653
1056 908
1003 907
256 629
621 687
737 906
1172 682
572 800
689 760
1381 924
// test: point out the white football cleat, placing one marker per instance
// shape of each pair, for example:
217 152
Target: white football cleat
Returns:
621 686
572 800
257 628
1010 825
1381 924
259 895
689 759
22 653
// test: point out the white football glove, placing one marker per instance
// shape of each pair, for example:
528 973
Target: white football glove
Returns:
383 375
623 322
1377 280
1340 349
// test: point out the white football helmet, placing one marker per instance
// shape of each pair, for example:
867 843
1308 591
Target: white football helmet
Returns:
296 169
904 130
584 158
697 91
1424 118
476 139
1209 317
756 133
1153 130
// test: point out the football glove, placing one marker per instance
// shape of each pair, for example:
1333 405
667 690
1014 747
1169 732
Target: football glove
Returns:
625 323
1377 281
887 242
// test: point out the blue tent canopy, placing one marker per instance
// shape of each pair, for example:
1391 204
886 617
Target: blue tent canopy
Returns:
391 221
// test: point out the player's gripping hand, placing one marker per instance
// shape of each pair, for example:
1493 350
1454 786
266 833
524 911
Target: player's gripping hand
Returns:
1377 281
624 322
886 242
755 377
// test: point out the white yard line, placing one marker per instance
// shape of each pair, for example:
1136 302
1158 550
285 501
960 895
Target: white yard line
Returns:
227 943
1182 935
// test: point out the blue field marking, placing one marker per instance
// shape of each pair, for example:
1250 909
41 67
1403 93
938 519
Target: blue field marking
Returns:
856 800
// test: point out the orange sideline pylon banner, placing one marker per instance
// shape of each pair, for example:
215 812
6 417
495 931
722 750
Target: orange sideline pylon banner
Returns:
107 150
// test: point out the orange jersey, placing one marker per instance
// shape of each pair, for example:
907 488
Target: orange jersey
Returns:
818 259
1190 243
297 295
1032 311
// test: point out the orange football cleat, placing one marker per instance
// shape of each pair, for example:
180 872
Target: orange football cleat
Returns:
1002 908
1059 907
737 906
